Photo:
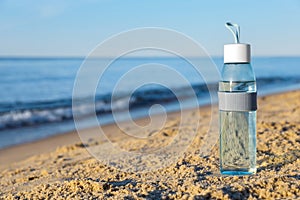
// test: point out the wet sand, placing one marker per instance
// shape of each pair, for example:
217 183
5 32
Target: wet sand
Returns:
43 170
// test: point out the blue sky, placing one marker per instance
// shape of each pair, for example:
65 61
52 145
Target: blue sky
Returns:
74 28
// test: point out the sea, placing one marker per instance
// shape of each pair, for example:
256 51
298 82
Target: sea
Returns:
36 94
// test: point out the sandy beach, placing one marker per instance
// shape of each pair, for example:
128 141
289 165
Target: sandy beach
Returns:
60 167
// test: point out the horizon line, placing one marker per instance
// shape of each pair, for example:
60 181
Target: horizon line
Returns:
2 57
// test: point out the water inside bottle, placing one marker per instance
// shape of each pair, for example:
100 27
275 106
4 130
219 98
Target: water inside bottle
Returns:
237 86
237 134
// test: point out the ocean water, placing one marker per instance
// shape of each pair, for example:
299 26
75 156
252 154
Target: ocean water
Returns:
36 93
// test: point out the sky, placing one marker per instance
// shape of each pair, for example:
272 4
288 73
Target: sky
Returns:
74 28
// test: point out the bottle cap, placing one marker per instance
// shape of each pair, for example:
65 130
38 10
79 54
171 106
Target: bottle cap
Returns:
236 52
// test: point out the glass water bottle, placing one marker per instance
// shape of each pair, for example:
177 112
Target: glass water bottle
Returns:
237 109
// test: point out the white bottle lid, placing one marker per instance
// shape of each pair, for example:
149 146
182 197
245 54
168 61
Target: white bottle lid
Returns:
237 52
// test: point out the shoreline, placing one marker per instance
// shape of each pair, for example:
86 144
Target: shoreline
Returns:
55 132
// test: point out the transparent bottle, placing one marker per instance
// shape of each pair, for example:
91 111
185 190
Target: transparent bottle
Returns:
237 111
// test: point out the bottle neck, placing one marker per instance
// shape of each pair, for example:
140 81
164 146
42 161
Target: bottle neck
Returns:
237 72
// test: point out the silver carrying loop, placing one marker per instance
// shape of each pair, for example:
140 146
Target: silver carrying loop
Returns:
235 30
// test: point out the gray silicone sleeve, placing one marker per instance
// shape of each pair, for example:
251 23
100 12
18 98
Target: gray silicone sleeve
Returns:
237 101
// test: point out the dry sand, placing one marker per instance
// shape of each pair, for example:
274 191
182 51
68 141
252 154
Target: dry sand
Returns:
71 172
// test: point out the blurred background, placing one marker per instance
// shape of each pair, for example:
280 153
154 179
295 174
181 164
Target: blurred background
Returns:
43 44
